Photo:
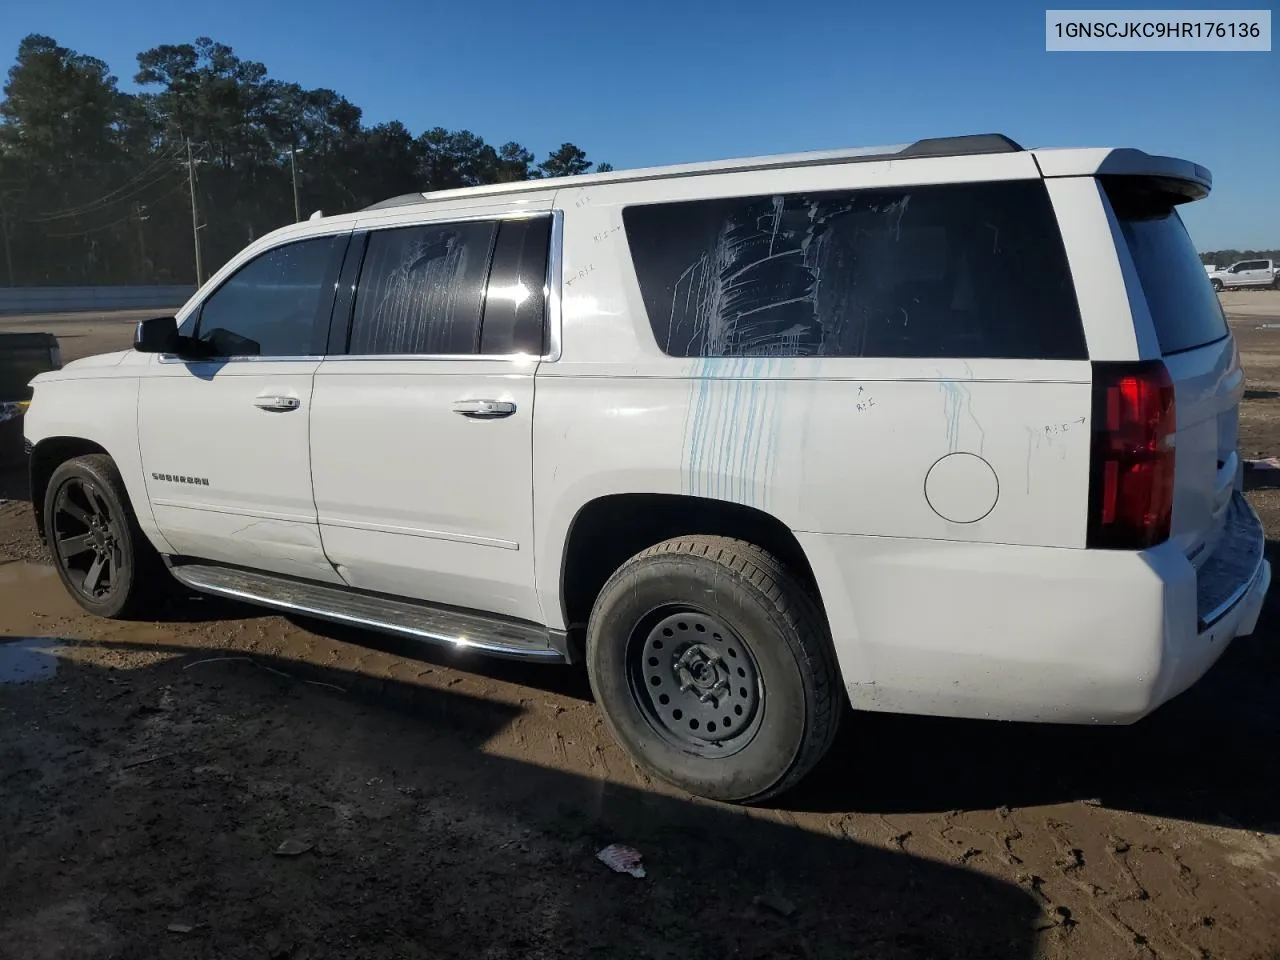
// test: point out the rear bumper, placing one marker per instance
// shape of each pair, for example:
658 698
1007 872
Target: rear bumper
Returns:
1022 633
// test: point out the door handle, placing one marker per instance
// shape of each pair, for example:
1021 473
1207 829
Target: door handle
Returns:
484 409
277 404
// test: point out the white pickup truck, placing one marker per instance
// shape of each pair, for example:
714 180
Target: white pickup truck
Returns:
946 428
1247 273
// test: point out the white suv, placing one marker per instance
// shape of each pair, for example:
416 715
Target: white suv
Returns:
947 428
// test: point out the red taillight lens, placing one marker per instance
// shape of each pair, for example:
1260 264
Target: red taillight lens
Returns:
1132 464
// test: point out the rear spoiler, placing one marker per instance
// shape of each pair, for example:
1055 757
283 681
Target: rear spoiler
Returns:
1189 181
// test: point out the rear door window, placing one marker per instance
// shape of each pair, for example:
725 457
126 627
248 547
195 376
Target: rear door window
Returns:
421 290
515 307
956 270
1184 308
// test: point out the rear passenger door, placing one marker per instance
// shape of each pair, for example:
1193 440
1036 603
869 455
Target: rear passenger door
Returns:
422 414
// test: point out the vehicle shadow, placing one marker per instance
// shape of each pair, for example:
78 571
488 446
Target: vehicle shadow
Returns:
410 835
1196 758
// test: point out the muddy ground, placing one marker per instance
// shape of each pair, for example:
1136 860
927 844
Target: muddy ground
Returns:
224 784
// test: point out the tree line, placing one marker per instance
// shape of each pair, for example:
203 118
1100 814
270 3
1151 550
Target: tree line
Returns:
1224 258
95 182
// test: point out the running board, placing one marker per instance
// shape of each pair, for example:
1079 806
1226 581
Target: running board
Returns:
461 630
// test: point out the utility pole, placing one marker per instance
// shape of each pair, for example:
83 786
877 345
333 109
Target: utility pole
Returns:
138 210
293 166
8 255
195 220
4 236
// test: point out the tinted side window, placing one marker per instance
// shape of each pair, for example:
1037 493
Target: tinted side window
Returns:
276 305
964 270
421 289
516 301
1184 309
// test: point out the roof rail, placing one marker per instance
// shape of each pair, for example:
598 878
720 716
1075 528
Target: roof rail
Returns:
401 201
967 145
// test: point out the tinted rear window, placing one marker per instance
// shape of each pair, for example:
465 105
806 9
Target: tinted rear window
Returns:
1184 309
957 270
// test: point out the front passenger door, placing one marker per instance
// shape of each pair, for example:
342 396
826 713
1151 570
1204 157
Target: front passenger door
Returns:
224 440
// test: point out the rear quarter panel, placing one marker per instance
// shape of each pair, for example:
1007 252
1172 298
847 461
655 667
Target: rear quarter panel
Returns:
839 448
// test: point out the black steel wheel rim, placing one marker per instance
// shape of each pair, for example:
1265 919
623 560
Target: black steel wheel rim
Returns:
696 681
87 539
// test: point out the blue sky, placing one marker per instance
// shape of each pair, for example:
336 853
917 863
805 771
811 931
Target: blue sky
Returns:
673 80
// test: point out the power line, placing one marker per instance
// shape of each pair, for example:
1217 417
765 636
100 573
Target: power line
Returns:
138 190
181 185
110 197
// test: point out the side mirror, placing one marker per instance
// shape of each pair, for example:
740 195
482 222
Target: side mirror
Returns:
157 335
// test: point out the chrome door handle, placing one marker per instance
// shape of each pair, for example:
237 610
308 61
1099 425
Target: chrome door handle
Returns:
484 409
279 404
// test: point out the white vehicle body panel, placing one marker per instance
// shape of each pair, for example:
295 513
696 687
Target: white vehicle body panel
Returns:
941 503
201 422
418 501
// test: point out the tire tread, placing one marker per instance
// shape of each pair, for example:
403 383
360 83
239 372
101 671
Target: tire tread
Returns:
793 603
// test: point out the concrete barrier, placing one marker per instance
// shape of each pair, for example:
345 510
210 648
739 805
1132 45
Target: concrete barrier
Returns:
21 300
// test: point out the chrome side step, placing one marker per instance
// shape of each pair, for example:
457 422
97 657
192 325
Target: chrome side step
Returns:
461 630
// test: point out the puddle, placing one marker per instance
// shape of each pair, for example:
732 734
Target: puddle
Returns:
28 659
24 571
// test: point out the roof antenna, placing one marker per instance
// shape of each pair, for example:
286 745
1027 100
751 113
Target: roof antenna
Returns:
316 216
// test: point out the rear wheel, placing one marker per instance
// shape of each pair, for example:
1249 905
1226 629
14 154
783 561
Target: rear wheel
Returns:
713 667
102 557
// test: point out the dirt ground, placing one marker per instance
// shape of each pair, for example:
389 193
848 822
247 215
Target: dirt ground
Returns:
227 784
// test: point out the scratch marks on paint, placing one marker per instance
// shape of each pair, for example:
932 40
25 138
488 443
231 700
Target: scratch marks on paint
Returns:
957 409
1033 440
777 277
752 300
732 429
1047 436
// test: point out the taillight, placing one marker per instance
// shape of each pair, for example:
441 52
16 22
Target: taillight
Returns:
1132 462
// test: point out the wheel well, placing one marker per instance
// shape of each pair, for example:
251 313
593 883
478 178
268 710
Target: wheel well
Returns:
608 531
48 455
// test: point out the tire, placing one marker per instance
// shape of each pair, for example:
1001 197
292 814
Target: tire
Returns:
1216 284
1275 283
90 526
676 621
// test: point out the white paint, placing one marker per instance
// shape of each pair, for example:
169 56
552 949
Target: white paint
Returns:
942 504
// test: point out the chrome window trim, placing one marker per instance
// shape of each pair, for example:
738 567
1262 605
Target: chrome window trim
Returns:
553 298
553 301
174 358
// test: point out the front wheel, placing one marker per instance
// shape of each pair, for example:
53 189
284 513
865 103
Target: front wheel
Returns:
714 669
1216 284
103 558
